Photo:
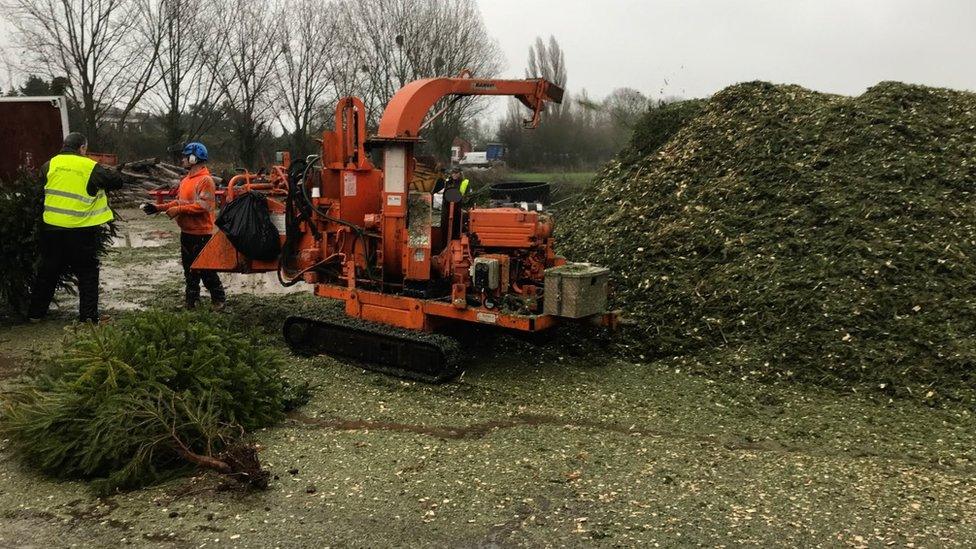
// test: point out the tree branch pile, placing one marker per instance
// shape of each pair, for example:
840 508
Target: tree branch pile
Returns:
786 234
152 174
145 175
153 395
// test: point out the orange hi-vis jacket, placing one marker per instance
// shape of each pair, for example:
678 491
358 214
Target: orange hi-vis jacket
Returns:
195 203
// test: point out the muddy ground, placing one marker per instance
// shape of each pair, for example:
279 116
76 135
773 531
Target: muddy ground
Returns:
542 445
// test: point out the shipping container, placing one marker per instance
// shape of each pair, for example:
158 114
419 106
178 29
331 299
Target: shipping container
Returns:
32 130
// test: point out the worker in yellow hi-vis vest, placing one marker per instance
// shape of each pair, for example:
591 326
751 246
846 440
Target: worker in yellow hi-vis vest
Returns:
455 181
75 206
447 192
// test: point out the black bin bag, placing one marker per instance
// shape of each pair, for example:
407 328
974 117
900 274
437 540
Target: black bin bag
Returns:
248 226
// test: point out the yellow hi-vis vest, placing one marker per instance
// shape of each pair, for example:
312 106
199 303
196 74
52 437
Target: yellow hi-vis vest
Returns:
66 200
464 187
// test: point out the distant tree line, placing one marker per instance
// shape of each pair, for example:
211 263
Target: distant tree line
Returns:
249 77
146 75
579 134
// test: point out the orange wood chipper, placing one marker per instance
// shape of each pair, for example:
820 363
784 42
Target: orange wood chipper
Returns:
360 224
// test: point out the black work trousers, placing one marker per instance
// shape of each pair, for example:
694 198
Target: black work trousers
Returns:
190 247
454 223
73 251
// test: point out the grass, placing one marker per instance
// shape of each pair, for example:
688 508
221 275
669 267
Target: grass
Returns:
565 185
573 178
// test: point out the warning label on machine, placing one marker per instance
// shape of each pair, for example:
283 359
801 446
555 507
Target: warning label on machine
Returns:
487 318
348 184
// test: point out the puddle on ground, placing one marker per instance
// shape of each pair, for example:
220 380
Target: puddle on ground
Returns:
126 288
126 285
259 283
143 239
121 287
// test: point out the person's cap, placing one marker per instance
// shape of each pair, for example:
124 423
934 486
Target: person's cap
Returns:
456 169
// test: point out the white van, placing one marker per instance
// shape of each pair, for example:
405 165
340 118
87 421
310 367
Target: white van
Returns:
475 160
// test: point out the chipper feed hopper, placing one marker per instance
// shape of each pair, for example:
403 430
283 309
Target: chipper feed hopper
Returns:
407 262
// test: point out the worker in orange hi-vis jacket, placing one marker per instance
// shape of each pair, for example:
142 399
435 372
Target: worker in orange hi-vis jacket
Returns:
194 211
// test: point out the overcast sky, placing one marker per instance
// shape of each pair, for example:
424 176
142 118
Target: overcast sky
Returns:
694 48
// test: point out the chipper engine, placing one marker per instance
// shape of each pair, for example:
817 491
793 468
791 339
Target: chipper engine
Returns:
360 224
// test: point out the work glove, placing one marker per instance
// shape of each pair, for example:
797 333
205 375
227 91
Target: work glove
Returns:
149 208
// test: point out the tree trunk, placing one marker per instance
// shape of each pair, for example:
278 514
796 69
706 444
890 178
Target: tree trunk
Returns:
91 124
174 130
248 147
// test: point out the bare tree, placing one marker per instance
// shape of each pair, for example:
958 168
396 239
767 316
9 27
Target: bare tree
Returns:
578 134
393 42
306 82
460 41
625 105
548 61
545 61
185 82
106 48
243 61
7 68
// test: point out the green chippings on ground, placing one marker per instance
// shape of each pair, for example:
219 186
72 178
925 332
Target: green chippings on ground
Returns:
542 444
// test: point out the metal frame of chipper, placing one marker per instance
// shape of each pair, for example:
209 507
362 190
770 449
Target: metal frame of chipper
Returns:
359 234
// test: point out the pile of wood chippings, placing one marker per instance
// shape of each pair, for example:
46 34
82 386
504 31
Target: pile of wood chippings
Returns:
790 234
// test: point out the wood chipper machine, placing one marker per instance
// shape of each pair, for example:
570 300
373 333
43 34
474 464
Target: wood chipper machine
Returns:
359 223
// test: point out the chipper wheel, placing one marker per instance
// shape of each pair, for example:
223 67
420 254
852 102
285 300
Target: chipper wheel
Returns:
430 358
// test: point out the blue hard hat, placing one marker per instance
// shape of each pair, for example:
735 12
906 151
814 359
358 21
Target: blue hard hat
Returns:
197 150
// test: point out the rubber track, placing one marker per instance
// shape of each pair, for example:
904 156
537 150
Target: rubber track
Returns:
420 356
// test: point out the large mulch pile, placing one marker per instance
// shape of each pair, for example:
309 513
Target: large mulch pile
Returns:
800 235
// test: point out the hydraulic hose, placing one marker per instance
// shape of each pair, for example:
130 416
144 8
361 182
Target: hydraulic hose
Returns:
358 231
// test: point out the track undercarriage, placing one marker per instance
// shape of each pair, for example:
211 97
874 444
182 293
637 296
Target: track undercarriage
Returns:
431 358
